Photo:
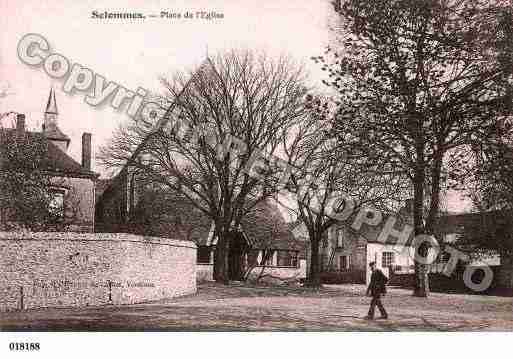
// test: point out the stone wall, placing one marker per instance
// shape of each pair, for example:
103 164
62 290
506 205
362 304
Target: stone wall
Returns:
81 269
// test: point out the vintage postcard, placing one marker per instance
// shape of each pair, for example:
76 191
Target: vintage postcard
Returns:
254 166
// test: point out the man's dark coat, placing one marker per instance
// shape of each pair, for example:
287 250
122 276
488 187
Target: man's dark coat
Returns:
378 283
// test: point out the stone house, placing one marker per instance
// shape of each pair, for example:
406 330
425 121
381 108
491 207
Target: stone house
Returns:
345 254
348 253
73 183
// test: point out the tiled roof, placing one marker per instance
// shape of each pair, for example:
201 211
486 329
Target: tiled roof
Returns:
56 160
171 215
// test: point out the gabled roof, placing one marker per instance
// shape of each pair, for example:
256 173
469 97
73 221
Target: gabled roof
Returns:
171 215
56 161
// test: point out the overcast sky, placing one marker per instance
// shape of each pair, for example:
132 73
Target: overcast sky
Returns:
134 53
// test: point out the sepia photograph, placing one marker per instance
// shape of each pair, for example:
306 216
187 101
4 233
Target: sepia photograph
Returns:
287 173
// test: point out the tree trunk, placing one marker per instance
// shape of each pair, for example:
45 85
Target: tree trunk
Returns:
421 276
314 276
221 269
421 288
422 270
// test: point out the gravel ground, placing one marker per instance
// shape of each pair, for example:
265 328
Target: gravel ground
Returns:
242 308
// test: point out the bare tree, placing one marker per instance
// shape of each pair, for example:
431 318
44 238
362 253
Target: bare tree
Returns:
419 82
225 121
326 171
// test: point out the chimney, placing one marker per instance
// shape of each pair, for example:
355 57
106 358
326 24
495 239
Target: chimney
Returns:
20 123
86 151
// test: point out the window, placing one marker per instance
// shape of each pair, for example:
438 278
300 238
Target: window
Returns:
203 254
344 262
387 259
287 259
340 238
56 205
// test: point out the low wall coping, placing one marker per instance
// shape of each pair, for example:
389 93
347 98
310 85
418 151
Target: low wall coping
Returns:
94 237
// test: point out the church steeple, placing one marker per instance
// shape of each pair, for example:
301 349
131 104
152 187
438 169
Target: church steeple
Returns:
50 127
51 106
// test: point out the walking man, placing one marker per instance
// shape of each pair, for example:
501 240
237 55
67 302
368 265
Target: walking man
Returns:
376 289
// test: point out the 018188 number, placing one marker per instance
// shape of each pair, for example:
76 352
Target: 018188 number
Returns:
24 346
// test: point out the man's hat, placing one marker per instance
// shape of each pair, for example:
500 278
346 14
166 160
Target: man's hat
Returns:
372 264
